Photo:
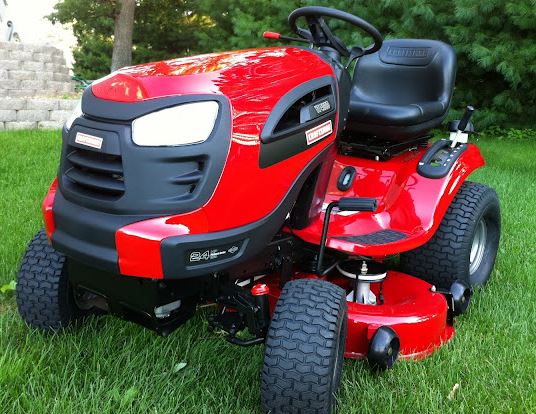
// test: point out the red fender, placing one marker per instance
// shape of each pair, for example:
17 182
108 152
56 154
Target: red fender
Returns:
408 203
46 208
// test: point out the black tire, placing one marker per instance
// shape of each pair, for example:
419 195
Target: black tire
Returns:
44 295
304 350
446 257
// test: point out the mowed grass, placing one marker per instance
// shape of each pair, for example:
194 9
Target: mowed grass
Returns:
109 365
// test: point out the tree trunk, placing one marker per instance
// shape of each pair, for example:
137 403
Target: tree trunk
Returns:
124 26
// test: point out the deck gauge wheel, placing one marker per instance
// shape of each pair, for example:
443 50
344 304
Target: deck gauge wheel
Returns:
383 349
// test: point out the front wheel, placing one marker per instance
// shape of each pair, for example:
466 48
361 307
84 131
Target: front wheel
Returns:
305 349
465 245
44 294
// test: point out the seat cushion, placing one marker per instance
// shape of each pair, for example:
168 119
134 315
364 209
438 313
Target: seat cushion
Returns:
386 114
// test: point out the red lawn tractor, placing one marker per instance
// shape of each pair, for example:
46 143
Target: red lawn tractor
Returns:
277 186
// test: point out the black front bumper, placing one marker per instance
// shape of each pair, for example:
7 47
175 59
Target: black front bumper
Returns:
88 236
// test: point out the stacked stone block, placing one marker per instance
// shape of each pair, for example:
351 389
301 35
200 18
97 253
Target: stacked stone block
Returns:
36 90
28 113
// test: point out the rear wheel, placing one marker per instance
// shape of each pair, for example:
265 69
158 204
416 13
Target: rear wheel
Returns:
44 294
465 245
304 350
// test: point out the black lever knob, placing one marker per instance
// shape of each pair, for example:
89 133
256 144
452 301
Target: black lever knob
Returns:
466 117
357 204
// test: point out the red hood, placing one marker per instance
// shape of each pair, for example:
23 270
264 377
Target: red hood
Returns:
253 80
226 73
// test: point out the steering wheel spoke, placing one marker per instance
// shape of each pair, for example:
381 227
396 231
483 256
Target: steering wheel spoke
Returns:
334 40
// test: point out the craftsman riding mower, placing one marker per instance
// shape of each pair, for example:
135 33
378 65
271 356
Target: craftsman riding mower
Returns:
304 203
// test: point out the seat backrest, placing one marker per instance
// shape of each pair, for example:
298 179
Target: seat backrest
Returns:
406 71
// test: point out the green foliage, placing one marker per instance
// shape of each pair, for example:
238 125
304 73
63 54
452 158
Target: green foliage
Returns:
494 39
93 25
239 24
162 29
8 287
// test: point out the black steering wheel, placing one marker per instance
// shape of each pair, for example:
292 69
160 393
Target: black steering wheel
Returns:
319 34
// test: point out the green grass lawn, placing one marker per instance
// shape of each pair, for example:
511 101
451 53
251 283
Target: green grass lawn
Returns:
113 366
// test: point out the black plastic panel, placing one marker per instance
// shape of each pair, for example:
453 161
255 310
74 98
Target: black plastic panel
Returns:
153 180
278 145
439 159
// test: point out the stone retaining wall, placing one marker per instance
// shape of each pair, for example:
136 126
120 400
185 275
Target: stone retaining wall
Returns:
34 85
21 113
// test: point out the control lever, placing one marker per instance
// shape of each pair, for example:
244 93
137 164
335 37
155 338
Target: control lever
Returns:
357 204
277 36
465 118
344 204
460 135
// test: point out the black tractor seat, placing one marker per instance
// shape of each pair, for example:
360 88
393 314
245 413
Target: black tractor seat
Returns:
403 91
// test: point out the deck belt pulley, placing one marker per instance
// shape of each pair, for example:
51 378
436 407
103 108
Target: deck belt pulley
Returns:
364 273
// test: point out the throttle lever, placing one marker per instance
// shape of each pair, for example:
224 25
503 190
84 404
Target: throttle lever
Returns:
277 36
469 110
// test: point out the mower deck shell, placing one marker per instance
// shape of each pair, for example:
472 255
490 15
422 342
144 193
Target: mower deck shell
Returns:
418 315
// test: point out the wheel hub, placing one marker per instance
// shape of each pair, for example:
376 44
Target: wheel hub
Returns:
478 246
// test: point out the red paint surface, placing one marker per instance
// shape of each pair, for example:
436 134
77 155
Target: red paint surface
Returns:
138 244
260 289
252 81
407 202
416 314
46 208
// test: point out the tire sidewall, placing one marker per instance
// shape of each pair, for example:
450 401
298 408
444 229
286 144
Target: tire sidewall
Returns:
488 209
338 355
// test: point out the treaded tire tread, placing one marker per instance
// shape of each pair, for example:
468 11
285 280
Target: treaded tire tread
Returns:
44 299
301 371
445 257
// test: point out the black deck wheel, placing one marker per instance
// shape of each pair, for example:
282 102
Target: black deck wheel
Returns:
465 245
383 349
305 349
44 295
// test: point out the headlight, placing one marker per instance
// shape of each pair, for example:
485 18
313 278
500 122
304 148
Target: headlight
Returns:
181 125
77 112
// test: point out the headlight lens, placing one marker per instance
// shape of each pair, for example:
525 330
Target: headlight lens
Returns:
181 125
77 112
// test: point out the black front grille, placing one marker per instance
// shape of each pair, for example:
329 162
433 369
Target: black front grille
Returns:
95 174
122 178
190 176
